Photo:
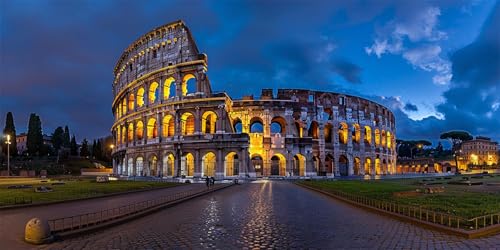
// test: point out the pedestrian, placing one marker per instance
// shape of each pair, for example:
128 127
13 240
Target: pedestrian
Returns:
207 181
212 180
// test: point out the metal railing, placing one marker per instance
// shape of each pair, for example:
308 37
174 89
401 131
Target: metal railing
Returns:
419 213
81 221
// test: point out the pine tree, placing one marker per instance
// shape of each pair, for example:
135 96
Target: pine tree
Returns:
84 151
94 149
58 138
10 129
34 142
73 146
66 142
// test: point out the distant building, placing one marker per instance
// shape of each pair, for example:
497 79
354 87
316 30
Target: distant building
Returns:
47 140
21 142
480 151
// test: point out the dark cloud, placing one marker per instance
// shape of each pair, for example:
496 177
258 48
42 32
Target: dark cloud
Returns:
410 107
349 71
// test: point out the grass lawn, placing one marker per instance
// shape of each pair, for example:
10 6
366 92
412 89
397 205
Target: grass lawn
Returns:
464 201
73 188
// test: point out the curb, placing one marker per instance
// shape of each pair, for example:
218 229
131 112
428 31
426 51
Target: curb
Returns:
111 223
492 230
82 199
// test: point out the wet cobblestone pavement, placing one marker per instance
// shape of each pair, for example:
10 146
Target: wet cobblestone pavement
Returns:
269 214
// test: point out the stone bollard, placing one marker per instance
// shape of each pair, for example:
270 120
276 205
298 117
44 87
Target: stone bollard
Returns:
37 231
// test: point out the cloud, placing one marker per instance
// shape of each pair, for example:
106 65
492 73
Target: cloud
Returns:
410 107
415 36
349 71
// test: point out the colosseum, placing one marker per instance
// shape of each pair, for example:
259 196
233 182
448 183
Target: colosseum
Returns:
169 122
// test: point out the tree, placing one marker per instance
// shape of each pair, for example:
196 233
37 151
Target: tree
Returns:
10 129
66 141
84 151
94 150
73 146
58 138
99 152
34 142
456 137
406 148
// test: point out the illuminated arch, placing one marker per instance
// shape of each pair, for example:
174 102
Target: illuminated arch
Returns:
185 80
153 93
383 138
124 106
208 164
131 102
238 126
231 164
187 164
152 129
368 135
124 135
278 125
139 130
278 165
257 164
168 127
357 166
356 137
343 165
343 130
139 166
377 137
168 165
140 97
187 123
389 139
378 169
299 165
329 163
328 133
368 166
314 130
299 129
256 125
118 135
208 122
130 133
153 165
168 84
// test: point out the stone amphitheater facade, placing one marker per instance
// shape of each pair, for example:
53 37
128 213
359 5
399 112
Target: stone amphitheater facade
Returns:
168 122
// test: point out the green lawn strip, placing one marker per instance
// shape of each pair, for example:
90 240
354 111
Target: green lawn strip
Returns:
456 200
71 189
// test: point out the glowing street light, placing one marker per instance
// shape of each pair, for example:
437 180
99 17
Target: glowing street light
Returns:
8 154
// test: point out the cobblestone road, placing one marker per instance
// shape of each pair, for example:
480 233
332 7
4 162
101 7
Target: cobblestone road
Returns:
269 214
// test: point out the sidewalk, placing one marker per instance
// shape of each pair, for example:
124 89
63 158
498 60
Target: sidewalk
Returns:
13 221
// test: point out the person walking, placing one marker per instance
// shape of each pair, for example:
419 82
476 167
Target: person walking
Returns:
207 181
212 180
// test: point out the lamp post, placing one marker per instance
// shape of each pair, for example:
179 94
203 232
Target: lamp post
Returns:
8 154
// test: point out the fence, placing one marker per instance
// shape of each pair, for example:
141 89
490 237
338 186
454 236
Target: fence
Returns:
82 221
421 214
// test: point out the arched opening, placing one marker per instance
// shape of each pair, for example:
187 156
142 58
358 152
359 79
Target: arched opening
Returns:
368 135
357 166
153 166
257 164
130 166
154 92
378 170
384 166
389 139
139 131
140 97
208 122
208 164
278 125
329 165
152 130
124 106
187 123
356 133
278 165
328 133
188 84
130 133
299 165
118 135
167 126
131 102
168 88
256 125
383 138
377 137
298 128
232 164
139 166
343 165
343 133
168 165
238 126
314 130
124 135
187 164
368 166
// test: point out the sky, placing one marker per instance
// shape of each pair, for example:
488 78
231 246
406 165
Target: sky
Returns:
435 64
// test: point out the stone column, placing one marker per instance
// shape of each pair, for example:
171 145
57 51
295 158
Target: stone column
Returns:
197 164
159 127
219 170
197 121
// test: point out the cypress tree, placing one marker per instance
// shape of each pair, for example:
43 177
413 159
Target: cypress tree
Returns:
58 138
73 146
34 142
66 142
10 129
84 151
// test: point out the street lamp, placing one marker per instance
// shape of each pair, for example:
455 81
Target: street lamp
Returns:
8 154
